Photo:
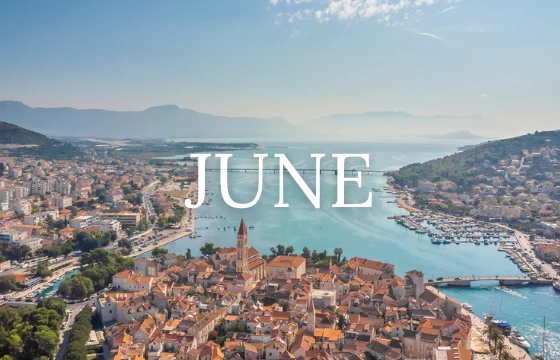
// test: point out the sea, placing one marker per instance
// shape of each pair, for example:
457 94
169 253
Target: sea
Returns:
366 232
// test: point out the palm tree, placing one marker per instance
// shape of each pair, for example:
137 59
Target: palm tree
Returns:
500 347
494 334
338 253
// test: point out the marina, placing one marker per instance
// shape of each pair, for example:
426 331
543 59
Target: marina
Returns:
448 229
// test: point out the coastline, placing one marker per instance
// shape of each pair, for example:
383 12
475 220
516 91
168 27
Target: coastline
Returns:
403 198
479 342
186 227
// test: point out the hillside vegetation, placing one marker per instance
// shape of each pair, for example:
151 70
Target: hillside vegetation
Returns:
12 134
461 166
41 145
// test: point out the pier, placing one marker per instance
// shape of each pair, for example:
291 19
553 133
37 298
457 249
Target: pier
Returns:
301 170
465 281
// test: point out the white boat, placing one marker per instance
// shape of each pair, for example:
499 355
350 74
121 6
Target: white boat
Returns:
520 341
468 307
556 286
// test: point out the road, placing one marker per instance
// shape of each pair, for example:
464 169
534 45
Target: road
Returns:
147 203
72 310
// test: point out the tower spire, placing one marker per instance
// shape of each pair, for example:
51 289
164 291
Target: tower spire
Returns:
311 316
242 228
242 261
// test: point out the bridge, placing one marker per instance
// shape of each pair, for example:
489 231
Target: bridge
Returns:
465 281
301 170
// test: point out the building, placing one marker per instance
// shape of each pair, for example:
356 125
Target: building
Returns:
62 186
126 218
62 202
80 222
425 186
128 280
242 264
10 237
286 267
107 225
414 283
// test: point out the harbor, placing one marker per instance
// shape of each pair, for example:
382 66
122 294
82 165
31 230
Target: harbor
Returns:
448 229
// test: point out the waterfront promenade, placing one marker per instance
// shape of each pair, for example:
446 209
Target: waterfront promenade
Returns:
504 280
478 341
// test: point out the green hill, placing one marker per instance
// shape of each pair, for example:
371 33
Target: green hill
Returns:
30 143
12 134
464 166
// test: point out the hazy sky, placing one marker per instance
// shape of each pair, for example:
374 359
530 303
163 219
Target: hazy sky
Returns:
299 59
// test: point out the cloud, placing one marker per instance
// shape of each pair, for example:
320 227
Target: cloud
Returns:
484 95
433 36
475 28
384 11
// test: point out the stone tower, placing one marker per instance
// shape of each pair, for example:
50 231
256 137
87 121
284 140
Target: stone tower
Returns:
311 316
241 264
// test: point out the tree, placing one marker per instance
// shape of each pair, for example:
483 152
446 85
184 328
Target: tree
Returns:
338 253
341 321
289 250
125 244
494 334
7 283
18 252
76 287
208 249
306 253
2 169
273 251
159 254
188 254
281 249
43 269
158 251
15 344
53 303
46 339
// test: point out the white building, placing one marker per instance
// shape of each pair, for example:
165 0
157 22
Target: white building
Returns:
80 222
107 225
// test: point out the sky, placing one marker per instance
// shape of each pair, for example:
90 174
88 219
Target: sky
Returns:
297 59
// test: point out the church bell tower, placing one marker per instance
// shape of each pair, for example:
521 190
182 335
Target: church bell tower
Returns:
241 264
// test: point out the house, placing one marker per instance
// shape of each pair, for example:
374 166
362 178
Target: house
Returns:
286 267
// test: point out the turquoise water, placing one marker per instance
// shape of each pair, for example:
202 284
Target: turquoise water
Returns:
366 232
56 284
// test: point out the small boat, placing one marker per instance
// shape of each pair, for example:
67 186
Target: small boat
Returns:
436 241
519 340
468 307
556 286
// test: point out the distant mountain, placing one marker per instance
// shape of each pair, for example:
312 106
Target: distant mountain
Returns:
167 121
369 125
33 144
12 134
458 135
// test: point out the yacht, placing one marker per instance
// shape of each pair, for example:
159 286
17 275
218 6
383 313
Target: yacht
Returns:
517 339
468 307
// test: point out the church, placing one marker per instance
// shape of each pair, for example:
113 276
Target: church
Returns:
241 259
